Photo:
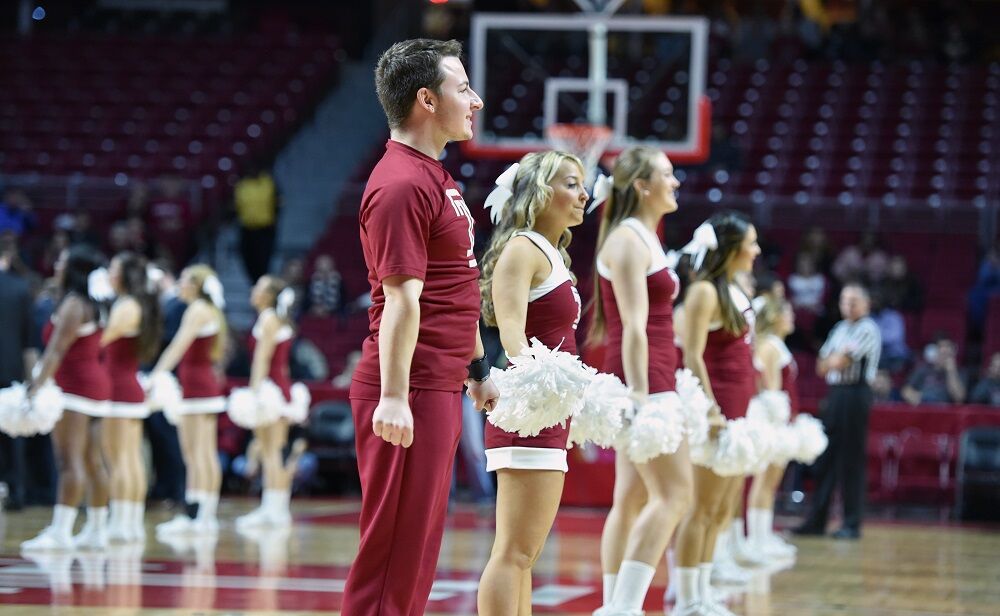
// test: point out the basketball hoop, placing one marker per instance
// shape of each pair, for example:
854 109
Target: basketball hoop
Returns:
587 141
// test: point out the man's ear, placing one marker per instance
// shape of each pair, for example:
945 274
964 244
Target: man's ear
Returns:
426 99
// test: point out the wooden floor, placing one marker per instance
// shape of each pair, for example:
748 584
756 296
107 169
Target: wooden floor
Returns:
895 570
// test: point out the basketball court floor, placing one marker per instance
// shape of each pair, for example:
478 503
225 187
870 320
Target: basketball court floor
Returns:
895 570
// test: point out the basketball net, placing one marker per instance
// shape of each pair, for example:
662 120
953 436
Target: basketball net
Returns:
586 141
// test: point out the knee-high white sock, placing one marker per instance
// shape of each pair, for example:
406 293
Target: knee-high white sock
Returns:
608 580
766 522
688 591
705 583
737 533
137 515
63 518
634 578
208 505
757 525
721 545
117 510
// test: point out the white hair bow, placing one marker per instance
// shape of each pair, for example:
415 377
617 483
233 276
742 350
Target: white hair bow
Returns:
213 289
602 191
704 239
99 285
497 200
758 303
284 302
154 276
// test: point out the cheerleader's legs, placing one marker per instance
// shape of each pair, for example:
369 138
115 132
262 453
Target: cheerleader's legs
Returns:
527 502
99 479
628 500
697 535
69 441
765 487
123 452
272 439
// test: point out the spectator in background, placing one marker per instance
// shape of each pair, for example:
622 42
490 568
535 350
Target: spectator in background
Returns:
883 389
83 231
16 213
900 288
987 390
255 198
171 221
892 326
807 285
325 287
987 284
816 245
864 261
937 380
57 244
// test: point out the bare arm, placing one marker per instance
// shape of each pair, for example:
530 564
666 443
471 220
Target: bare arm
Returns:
196 316
70 316
956 388
124 319
398 331
769 358
517 266
701 304
264 350
628 260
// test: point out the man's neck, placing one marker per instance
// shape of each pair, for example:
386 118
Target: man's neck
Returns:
422 140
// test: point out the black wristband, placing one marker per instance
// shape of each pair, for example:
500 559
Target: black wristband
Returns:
479 369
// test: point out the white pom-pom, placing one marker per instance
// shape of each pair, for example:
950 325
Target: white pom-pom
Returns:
738 452
600 421
163 392
695 405
541 388
20 416
298 409
271 403
812 440
772 406
657 429
786 445
242 407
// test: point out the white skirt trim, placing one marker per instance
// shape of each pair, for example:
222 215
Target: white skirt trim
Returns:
199 406
526 458
129 410
86 406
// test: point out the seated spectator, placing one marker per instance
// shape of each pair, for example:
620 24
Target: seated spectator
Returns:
16 213
987 284
937 380
987 390
807 285
895 353
816 245
900 288
865 261
883 389
325 287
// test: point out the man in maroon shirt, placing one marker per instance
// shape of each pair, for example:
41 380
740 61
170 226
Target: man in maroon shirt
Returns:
417 235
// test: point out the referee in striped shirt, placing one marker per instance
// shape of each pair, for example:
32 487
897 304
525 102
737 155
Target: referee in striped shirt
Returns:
848 361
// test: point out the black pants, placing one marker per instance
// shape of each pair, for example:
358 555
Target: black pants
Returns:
845 460
256 249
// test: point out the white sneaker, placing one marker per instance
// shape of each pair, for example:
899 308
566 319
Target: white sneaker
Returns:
778 544
119 533
263 518
180 525
726 571
693 609
744 552
205 526
713 608
91 538
49 541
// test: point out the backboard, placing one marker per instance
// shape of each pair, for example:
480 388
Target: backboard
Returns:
644 77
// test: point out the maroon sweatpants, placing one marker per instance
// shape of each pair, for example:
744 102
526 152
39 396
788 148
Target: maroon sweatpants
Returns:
404 499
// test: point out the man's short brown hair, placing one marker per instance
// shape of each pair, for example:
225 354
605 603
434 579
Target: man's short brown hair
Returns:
406 67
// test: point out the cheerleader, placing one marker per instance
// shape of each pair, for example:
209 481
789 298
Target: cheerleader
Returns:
528 292
195 350
778 370
272 344
73 358
717 349
634 297
132 336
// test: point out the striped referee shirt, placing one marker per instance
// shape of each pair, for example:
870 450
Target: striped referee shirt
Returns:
862 342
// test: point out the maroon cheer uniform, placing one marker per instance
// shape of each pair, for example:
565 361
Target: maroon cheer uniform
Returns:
82 375
128 400
552 317
729 361
201 388
278 371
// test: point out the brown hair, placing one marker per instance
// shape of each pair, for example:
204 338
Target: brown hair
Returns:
405 68
199 273
730 230
635 163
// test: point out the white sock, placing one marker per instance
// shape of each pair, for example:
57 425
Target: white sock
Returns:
705 582
766 523
609 586
63 518
191 495
634 578
721 545
137 515
756 525
208 505
98 516
688 592
117 513
276 501
737 533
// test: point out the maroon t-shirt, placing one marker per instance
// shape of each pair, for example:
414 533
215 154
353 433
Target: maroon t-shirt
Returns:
414 222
